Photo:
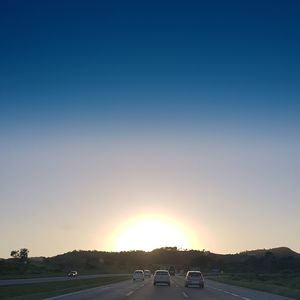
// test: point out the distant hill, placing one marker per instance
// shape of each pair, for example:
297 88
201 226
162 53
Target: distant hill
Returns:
261 260
279 251
275 260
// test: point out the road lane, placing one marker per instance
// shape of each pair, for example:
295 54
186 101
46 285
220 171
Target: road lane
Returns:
158 292
115 291
216 290
52 279
128 290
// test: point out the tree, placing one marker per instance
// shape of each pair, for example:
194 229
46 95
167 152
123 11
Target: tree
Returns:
15 253
21 254
24 254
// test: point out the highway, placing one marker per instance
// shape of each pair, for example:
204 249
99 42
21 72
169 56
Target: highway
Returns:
128 290
51 279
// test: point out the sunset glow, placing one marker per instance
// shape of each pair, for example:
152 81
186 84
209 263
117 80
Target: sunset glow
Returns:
135 125
151 233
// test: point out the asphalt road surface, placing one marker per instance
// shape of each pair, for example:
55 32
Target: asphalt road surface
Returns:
128 290
51 279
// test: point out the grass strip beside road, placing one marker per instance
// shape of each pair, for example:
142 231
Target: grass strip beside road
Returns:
42 275
36 291
276 284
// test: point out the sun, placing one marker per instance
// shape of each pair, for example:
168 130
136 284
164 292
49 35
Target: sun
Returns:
149 233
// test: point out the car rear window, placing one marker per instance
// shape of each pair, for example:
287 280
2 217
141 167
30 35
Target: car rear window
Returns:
195 274
162 273
138 272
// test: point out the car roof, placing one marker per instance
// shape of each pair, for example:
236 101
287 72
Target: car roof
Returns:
162 271
194 272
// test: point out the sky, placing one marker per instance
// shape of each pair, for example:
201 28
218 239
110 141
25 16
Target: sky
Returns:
177 120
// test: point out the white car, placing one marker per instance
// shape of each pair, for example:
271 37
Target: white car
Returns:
194 278
138 275
161 276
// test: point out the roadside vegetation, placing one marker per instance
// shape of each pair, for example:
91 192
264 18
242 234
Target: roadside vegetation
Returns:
38 291
285 284
274 270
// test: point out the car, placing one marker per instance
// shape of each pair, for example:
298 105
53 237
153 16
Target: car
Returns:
72 274
161 276
172 270
147 273
194 278
138 275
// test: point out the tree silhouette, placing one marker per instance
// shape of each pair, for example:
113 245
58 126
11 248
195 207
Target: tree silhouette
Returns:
21 254
15 253
24 254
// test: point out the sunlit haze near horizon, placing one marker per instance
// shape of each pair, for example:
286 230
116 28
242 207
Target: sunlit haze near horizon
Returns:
133 126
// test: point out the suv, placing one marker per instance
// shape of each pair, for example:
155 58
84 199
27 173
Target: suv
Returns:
161 276
194 278
138 275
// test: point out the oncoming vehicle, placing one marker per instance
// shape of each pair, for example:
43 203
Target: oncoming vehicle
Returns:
194 278
138 275
161 276
147 273
72 274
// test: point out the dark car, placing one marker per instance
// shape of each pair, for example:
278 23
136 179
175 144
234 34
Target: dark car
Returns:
172 270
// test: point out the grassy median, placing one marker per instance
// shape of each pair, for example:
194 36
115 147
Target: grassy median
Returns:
281 284
36 291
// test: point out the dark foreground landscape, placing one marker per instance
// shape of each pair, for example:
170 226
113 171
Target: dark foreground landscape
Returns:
230 276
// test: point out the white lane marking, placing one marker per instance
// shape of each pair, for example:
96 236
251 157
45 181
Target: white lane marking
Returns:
129 293
185 295
106 288
135 289
139 286
226 292
235 295
79 292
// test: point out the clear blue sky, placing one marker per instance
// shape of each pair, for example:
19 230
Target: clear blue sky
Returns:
110 107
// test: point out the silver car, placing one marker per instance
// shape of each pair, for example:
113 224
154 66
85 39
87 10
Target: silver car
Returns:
161 276
194 278
138 275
